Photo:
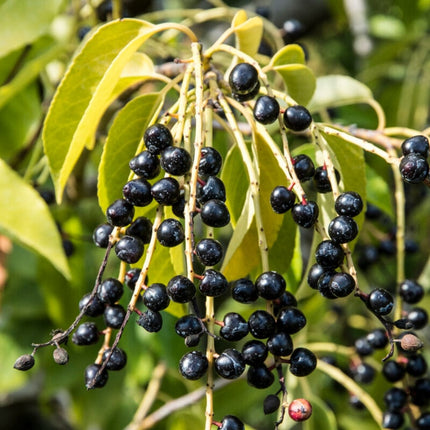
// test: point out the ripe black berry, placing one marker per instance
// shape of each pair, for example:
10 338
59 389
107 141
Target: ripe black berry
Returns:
292 29
230 364
266 109
180 289
230 422
341 284
291 320
282 199
423 421
321 179
380 301
304 167
145 165
213 283
101 235
395 399
324 284
188 325
329 254
157 137
416 144
411 292
120 213
90 374
302 362
271 404
270 285
416 365
137 192
418 317
176 161
131 277
155 297
314 274
213 189
280 344
214 213
363 347
378 338
166 191
170 232
392 420
305 214
86 334
209 252
261 324
151 321
342 229
244 291
413 168
235 327
254 352
95 308
117 360
363 373
287 299
210 162
179 206
260 376
141 227
248 96
393 371
193 365
297 118
129 249
349 203
420 392
243 78
114 316
110 291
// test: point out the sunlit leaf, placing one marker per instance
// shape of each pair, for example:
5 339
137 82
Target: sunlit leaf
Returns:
22 22
37 231
338 90
85 91
121 145
289 54
248 32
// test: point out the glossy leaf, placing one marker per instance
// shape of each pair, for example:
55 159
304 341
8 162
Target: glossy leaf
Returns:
289 54
122 143
22 22
248 32
95 71
299 80
37 231
338 90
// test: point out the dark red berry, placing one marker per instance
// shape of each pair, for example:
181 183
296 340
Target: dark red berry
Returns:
297 118
129 249
120 213
193 365
282 199
157 137
266 109
299 410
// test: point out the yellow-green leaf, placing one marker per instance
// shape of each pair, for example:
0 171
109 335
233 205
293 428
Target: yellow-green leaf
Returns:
23 21
121 145
289 54
248 32
85 91
26 218
299 80
338 90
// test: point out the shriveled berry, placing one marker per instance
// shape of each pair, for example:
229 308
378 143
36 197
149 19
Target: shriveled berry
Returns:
193 365
129 249
213 283
24 362
90 374
180 289
266 109
209 252
145 165
120 213
305 214
302 362
299 410
230 364
151 321
157 137
176 161
170 233
282 199
60 356
137 192
297 118
270 285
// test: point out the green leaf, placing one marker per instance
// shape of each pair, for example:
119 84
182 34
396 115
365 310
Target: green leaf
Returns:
248 32
338 90
22 22
26 218
121 144
299 80
289 54
322 416
85 92
235 178
379 192
40 54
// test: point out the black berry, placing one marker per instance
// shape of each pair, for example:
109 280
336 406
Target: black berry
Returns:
243 78
291 320
329 254
193 365
417 145
266 109
305 214
91 372
86 334
214 213
209 252
230 364
170 232
213 189
210 162
155 297
261 324
145 165
304 167
137 192
166 191
151 321
129 249
380 301
280 344
230 422
101 235
342 284
297 118
176 161
342 229
413 168
349 204
120 213
94 309
180 289
254 352
141 227
282 199
213 283
260 376
117 360
114 316
302 362
244 291
188 325
321 179
110 291
235 327
411 292
157 137
270 285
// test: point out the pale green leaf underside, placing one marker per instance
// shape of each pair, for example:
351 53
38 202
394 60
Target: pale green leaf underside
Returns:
26 218
85 92
338 90
23 21
121 144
